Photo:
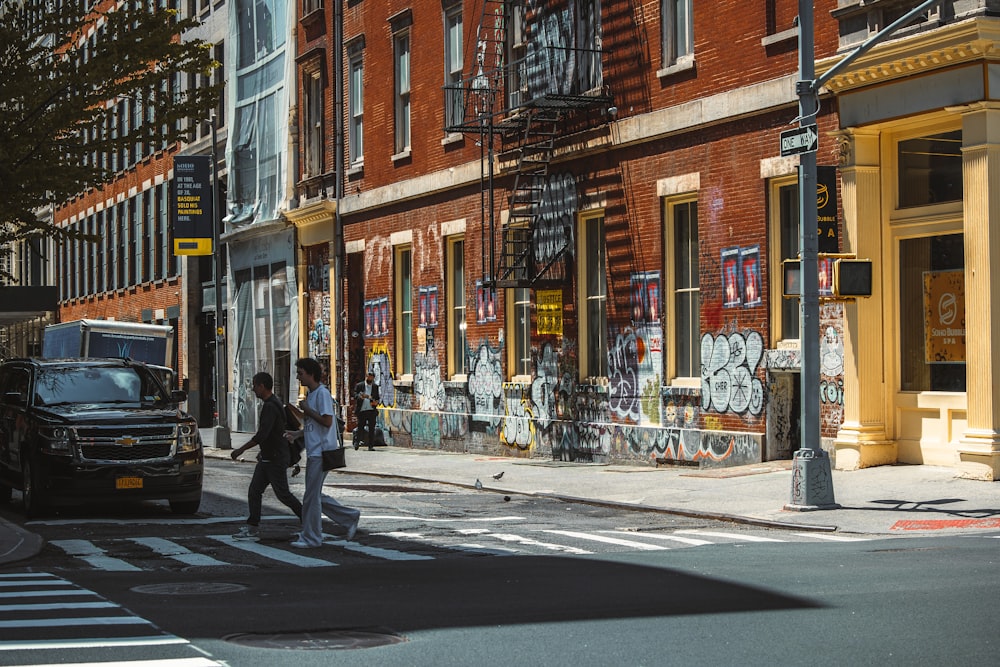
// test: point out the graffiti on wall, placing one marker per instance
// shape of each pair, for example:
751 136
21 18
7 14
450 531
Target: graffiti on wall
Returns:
486 387
518 429
562 54
380 364
729 365
554 227
428 388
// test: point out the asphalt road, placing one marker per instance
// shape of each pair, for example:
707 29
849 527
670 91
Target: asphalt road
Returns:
447 576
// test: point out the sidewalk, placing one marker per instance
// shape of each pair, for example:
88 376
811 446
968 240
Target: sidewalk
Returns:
887 500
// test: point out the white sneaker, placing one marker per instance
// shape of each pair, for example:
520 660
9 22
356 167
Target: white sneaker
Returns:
247 532
352 530
299 544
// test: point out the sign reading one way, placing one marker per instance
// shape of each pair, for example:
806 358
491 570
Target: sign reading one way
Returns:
800 140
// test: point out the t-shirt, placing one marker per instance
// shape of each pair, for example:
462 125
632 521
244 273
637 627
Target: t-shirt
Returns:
317 436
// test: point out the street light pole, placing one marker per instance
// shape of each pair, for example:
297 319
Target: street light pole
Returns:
220 422
812 479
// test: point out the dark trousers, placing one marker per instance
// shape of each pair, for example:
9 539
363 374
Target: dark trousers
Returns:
274 473
366 421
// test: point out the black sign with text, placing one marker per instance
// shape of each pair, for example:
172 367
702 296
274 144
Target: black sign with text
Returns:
191 205
826 209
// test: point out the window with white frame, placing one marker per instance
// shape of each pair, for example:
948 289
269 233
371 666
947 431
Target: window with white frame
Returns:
593 297
455 287
313 129
404 309
453 97
683 291
677 25
783 194
517 54
401 56
356 104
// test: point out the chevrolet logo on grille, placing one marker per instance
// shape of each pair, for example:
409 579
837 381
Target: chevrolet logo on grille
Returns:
127 441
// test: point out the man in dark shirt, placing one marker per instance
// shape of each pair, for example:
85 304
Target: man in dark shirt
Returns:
272 461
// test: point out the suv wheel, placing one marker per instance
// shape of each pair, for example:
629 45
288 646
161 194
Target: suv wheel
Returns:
33 496
184 506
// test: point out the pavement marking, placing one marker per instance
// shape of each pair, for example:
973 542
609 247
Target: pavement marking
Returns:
51 606
102 642
529 542
90 553
480 549
642 546
273 553
834 538
731 536
410 517
138 521
68 622
941 524
659 536
169 662
177 552
375 552
47 594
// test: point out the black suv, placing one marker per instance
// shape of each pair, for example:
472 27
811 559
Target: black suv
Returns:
77 430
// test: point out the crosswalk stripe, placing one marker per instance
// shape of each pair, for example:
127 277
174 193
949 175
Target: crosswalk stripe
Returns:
99 642
529 542
169 662
177 552
40 582
50 606
642 546
272 553
731 536
691 541
67 622
375 552
97 557
834 538
29 575
49 593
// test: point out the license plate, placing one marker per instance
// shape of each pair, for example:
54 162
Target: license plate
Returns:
128 483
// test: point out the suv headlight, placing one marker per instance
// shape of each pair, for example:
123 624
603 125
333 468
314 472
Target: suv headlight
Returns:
56 439
188 438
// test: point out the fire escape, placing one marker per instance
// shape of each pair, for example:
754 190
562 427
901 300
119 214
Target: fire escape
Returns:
521 95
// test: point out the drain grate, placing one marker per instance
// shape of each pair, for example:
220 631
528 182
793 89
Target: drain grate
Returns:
319 640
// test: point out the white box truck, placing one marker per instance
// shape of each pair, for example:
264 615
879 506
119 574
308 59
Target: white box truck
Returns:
150 343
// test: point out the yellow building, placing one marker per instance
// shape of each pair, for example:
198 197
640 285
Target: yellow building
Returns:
919 151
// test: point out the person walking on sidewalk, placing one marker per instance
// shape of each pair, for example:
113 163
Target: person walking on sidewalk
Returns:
272 460
319 429
367 396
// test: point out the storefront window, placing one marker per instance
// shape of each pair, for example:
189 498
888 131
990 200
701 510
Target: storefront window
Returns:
932 313
930 169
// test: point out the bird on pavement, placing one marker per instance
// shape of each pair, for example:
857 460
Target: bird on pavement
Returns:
479 485
498 475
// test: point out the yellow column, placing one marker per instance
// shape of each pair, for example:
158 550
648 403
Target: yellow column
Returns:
863 440
979 447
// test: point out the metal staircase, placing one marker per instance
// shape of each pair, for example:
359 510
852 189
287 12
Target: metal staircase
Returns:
508 100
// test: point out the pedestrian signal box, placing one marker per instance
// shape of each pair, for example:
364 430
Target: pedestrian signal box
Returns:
840 277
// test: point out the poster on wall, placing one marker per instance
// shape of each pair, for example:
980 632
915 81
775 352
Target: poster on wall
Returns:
432 306
944 317
731 277
384 316
645 291
422 307
750 275
480 303
550 312
369 320
825 268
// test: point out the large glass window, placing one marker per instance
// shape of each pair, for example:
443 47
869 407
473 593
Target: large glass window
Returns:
404 310
932 313
784 211
930 169
684 288
456 306
355 96
453 102
594 311
677 24
520 326
401 52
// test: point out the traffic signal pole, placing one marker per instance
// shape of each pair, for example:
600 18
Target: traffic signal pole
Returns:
812 478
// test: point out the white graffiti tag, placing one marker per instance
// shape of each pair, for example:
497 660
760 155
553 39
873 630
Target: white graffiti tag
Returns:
729 381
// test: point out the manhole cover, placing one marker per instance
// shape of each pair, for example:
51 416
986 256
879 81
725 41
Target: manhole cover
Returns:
192 588
320 640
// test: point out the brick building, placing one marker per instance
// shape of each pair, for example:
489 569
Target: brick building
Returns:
563 222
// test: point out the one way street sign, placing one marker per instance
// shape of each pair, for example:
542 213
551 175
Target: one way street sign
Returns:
800 140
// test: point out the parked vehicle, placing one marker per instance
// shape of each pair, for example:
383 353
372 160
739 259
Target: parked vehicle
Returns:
149 343
79 430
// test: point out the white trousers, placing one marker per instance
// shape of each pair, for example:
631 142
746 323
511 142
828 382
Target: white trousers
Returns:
315 504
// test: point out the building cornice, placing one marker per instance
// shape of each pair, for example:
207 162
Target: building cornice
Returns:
319 211
970 41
